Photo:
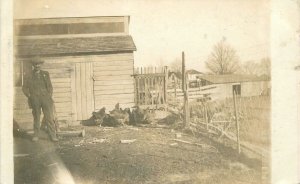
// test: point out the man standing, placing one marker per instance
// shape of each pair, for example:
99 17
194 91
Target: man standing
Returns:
38 89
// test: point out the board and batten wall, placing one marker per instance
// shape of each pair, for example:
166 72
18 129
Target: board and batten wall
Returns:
83 84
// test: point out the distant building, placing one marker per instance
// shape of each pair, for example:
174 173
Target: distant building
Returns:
221 86
192 74
193 78
90 61
174 78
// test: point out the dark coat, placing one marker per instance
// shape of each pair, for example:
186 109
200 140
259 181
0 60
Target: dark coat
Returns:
28 84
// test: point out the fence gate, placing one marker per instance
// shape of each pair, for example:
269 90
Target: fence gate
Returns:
151 87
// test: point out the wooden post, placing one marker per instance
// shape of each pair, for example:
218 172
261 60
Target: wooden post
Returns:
175 92
236 122
138 91
186 112
205 115
165 83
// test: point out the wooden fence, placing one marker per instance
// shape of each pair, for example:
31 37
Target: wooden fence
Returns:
151 87
193 93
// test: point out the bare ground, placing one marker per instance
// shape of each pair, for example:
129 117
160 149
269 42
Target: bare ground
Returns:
154 157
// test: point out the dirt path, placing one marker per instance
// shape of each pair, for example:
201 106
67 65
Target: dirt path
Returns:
153 158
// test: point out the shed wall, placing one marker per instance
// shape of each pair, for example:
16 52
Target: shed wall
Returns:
108 80
247 89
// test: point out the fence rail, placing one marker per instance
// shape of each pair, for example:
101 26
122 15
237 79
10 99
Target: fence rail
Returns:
193 93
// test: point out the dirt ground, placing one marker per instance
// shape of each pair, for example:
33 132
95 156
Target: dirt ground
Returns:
154 157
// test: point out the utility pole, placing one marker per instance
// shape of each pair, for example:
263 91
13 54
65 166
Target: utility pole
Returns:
236 122
186 112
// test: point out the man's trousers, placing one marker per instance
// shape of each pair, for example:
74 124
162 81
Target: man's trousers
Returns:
44 103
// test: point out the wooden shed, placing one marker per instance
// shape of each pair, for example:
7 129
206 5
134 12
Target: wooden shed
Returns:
90 61
221 86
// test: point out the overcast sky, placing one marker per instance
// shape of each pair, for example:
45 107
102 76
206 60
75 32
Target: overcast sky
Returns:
163 29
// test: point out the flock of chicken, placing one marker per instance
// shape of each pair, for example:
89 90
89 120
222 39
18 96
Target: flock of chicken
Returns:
120 117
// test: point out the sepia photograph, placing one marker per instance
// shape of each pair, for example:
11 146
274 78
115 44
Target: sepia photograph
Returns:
134 92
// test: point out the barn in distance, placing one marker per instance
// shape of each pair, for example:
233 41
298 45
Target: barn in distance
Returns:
90 61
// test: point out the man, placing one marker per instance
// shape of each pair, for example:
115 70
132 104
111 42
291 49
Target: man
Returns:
38 89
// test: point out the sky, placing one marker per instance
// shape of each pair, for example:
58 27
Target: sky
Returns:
162 29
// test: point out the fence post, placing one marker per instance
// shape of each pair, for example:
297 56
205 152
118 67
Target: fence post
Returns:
186 112
236 122
205 115
165 84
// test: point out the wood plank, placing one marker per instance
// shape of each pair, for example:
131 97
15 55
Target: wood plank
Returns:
116 96
63 104
128 66
78 92
23 115
59 85
61 80
64 113
25 122
22 111
92 85
75 133
113 87
73 94
114 92
69 20
20 99
89 86
114 78
57 70
109 59
113 101
83 90
60 75
61 94
63 110
114 62
64 117
62 90
20 106
51 65
114 82
113 73
62 99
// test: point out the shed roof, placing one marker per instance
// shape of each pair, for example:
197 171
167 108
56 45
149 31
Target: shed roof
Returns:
221 79
74 45
192 71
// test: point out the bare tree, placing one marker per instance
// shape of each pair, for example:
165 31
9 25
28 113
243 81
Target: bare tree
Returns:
223 59
257 68
250 68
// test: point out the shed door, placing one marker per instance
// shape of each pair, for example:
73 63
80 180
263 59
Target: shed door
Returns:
83 93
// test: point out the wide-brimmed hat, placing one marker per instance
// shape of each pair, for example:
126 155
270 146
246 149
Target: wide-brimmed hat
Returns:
37 60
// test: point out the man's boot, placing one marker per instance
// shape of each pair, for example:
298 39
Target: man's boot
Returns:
53 137
35 135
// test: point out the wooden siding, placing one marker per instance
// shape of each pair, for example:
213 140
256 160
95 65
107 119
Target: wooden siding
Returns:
84 90
82 85
70 46
22 113
60 75
113 81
